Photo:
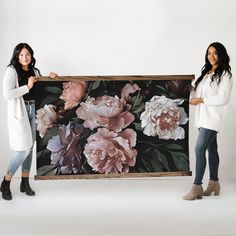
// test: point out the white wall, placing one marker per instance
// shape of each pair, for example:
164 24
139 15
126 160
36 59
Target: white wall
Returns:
120 37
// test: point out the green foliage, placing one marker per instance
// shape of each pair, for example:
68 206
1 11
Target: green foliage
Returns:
48 170
53 90
138 104
165 156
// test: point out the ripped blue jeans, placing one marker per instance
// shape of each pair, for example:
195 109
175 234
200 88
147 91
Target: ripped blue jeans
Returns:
24 158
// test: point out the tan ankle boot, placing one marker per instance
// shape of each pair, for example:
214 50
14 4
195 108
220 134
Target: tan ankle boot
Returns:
196 192
213 186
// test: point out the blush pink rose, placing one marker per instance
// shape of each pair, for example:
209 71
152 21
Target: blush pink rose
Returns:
72 93
110 152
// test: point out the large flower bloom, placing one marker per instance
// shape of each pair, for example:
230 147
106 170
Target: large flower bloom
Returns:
110 152
72 93
162 117
105 111
45 117
66 149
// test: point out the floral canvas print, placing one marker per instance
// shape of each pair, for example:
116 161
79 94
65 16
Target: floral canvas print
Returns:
112 127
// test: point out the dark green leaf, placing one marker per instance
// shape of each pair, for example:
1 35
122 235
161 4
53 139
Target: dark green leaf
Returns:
138 105
162 158
152 162
42 153
181 160
53 90
160 87
48 170
173 147
138 126
50 99
94 85
87 169
147 165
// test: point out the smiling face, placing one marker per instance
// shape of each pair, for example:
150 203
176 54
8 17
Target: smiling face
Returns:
25 58
212 56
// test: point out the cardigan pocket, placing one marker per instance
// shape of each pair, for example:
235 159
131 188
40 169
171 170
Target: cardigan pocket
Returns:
21 124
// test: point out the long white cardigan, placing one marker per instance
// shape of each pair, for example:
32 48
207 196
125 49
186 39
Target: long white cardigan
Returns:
211 113
20 134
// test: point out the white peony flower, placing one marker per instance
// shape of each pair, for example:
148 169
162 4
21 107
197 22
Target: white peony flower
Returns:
162 117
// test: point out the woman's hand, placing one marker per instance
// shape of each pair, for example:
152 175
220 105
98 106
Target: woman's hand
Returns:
31 81
53 75
195 101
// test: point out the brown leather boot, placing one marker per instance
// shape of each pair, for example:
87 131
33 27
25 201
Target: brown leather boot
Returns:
212 187
196 192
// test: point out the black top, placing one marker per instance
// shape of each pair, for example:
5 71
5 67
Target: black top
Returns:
23 80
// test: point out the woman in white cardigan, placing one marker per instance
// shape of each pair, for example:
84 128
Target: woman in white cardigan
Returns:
210 95
18 89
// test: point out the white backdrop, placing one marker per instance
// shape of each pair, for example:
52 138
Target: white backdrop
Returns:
121 37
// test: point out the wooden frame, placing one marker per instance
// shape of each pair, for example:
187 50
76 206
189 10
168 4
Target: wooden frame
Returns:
80 137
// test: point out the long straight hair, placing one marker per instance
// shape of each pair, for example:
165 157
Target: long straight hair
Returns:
15 58
223 64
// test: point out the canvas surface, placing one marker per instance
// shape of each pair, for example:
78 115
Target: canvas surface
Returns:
112 127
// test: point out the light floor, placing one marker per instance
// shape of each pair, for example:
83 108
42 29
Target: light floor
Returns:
108 207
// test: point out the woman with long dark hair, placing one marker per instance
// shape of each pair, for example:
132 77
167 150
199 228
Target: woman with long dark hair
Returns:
210 96
18 89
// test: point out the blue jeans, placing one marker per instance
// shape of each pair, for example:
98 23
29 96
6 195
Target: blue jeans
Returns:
24 158
206 141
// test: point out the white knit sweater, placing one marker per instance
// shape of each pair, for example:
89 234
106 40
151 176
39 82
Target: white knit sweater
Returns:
211 113
20 135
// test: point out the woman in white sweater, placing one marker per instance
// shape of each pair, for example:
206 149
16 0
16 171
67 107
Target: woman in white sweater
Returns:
18 89
210 95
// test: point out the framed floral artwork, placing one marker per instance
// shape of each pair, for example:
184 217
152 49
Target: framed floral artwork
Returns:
112 126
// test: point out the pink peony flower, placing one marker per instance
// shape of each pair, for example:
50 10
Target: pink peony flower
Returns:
110 152
105 111
127 90
45 117
162 117
72 93
66 149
